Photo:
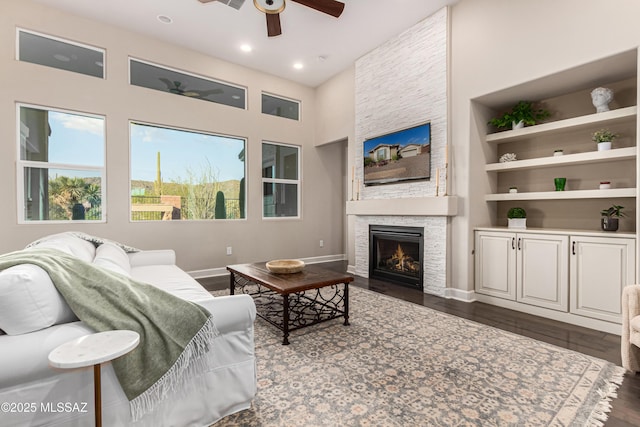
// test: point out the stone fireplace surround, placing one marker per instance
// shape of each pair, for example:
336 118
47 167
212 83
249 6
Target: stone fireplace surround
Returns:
435 247
429 213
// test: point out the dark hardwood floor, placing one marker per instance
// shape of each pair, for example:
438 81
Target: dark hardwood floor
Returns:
626 407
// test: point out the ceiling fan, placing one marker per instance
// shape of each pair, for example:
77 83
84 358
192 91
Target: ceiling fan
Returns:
179 89
272 9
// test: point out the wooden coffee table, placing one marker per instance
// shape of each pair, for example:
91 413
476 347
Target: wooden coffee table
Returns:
293 301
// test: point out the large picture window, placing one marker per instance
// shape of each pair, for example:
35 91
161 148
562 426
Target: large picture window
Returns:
280 180
185 175
60 165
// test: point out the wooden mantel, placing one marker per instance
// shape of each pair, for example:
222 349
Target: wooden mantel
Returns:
414 206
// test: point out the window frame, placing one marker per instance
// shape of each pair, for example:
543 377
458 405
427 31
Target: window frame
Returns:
295 101
131 122
21 165
62 40
297 182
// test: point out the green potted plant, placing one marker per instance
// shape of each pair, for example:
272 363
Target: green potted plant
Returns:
523 113
604 138
517 218
610 216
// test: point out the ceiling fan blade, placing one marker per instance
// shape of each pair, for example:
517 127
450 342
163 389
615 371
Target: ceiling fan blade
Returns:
273 24
330 7
169 83
205 1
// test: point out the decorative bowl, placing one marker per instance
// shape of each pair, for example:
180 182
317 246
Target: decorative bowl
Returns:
285 266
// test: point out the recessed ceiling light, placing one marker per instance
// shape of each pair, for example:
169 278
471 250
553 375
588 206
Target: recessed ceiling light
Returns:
298 65
165 19
61 57
246 48
235 96
99 63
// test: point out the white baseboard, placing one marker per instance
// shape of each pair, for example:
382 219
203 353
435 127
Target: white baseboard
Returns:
561 316
351 269
222 271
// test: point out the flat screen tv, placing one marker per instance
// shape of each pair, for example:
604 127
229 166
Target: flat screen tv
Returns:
403 155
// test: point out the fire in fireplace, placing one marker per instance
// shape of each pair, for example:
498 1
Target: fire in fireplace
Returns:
395 254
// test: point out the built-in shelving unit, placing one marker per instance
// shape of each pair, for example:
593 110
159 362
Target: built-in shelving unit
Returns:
559 217
567 96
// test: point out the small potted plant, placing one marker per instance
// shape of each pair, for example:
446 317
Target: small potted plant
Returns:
603 138
610 217
520 115
517 218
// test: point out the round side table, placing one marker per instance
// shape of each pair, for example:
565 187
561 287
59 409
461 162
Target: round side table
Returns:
93 350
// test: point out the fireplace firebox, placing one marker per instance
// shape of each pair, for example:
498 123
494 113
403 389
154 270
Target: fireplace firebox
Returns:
395 254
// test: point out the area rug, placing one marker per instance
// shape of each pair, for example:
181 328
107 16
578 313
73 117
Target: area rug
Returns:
401 364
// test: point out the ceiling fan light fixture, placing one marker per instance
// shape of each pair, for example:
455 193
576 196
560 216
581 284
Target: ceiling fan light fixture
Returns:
269 6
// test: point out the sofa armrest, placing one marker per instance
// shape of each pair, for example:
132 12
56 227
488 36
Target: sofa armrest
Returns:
154 257
630 309
231 312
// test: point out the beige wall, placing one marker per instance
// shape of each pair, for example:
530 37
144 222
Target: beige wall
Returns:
496 44
200 245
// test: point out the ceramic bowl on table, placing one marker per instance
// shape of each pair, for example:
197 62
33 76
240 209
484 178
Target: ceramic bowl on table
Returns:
285 266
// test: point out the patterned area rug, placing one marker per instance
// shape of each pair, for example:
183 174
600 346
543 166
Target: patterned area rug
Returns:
401 364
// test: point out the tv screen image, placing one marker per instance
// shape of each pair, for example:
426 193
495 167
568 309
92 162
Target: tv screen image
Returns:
403 155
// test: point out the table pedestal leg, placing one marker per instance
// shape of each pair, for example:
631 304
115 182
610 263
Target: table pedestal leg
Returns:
97 388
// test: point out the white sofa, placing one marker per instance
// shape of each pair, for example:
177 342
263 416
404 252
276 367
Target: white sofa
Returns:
36 320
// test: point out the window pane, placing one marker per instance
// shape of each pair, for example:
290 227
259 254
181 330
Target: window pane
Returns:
177 174
55 137
58 54
280 199
280 107
62 195
279 161
165 80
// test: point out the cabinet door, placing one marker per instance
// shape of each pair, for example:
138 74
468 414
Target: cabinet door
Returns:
600 268
496 264
543 270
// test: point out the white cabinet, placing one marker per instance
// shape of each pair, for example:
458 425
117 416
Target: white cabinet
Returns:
600 268
528 268
542 270
496 264
581 275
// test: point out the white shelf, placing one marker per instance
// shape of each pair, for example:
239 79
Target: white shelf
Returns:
564 195
609 117
567 159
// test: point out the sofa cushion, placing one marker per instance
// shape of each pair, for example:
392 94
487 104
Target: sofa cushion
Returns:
112 257
68 243
173 280
29 301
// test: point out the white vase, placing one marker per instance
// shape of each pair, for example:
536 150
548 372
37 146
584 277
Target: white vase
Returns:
518 125
520 223
604 146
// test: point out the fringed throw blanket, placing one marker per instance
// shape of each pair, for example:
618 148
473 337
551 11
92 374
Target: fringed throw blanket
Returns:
174 334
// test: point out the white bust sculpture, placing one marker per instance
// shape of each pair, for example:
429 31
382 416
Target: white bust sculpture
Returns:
601 97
